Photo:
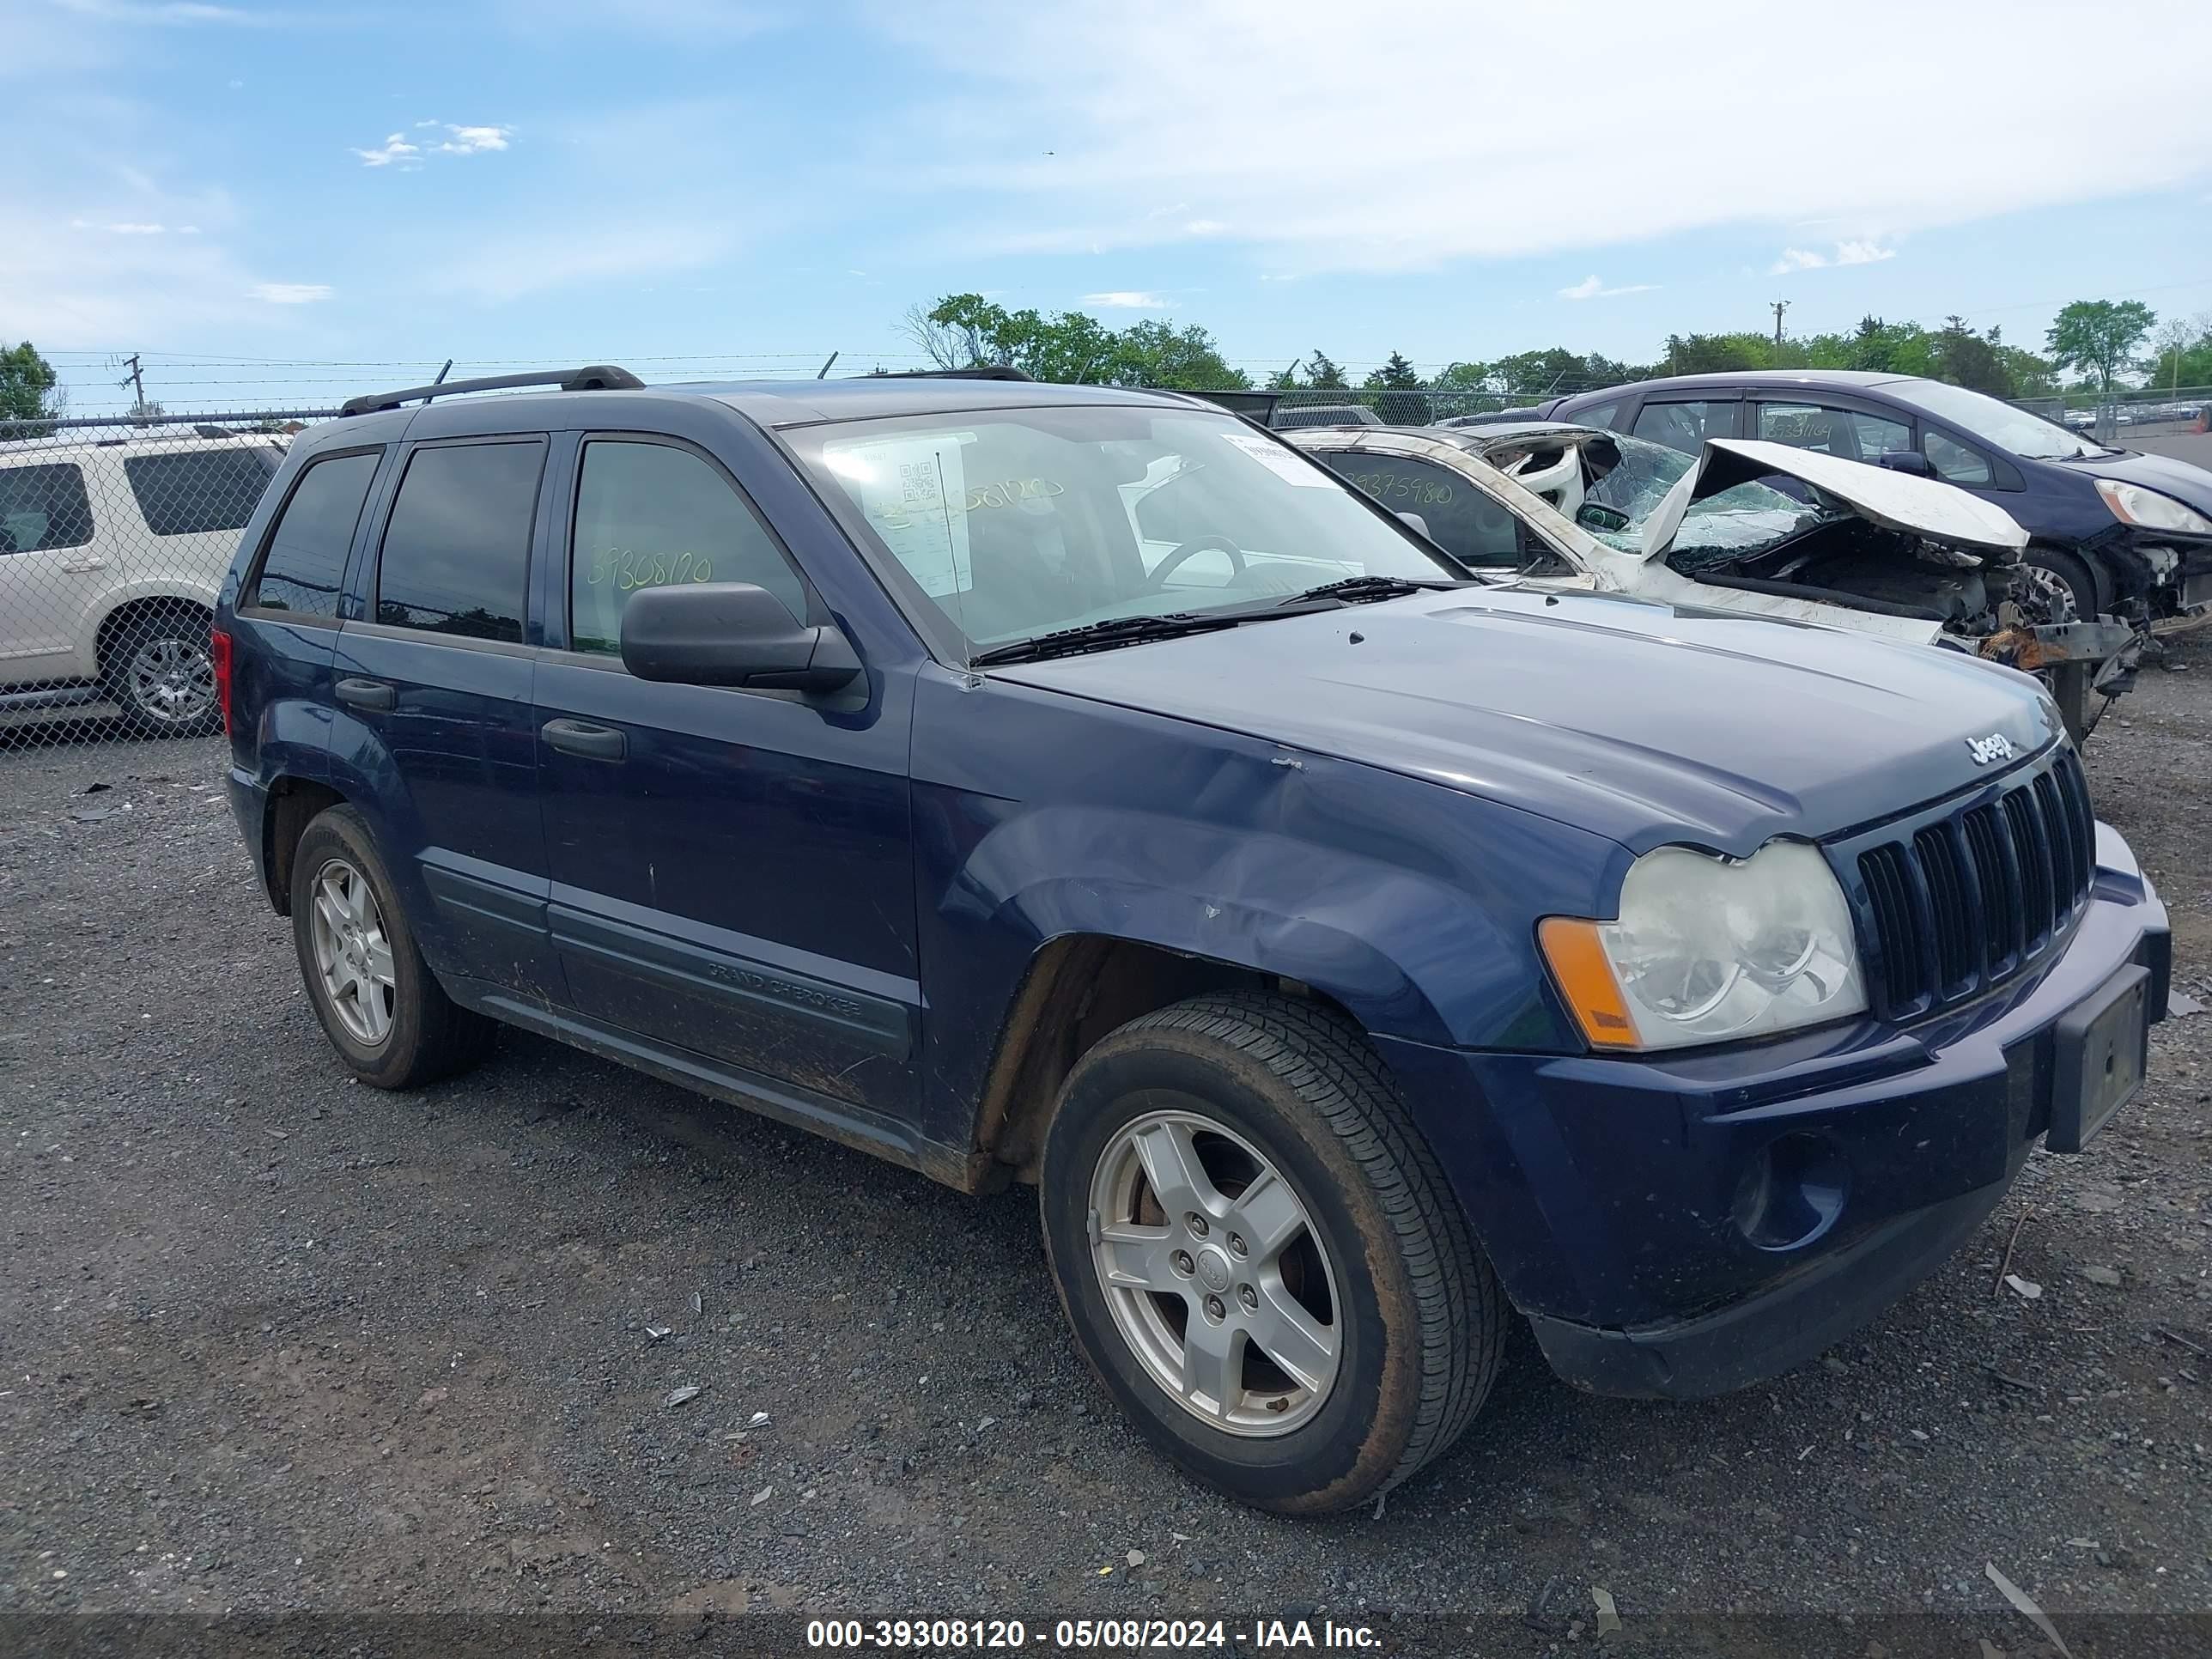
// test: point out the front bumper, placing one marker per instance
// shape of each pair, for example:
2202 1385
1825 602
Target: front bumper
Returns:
1676 1227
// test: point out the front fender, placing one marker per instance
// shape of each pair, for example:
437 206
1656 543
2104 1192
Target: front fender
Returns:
1039 816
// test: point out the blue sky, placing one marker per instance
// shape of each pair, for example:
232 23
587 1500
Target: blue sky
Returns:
344 190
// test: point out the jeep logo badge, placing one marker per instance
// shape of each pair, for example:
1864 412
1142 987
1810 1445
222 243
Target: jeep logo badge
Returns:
1994 747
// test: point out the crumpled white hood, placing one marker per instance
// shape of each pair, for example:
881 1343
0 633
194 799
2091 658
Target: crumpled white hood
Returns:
1896 500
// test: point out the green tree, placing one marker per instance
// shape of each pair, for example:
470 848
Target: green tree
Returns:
1965 358
1398 386
1160 354
1323 375
1284 379
1714 353
2100 336
27 397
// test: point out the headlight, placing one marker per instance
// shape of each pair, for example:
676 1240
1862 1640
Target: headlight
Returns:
1706 951
2133 504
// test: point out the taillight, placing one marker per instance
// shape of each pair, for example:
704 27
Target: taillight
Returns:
219 654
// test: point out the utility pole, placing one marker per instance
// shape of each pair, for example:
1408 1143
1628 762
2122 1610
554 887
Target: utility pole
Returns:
137 382
1780 305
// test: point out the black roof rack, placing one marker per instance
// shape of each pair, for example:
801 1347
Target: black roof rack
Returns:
592 377
980 372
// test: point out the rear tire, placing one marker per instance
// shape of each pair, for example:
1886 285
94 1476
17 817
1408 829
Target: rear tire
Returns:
159 669
380 1005
1399 1320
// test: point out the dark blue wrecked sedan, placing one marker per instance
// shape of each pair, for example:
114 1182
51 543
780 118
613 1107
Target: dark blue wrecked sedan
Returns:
1084 788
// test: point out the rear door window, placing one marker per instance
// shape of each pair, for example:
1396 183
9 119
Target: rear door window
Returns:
1686 426
1462 519
199 491
456 557
653 515
302 571
1848 434
43 508
1604 415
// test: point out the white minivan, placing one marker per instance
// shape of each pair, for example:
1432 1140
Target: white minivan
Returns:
111 552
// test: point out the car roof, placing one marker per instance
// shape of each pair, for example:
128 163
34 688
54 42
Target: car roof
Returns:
68 445
786 403
1757 377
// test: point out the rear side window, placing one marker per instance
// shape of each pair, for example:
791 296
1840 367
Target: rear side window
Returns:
1603 414
306 562
456 556
652 515
1461 519
43 507
1686 426
200 491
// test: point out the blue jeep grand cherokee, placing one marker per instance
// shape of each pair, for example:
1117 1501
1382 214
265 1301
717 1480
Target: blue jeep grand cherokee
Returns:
1081 786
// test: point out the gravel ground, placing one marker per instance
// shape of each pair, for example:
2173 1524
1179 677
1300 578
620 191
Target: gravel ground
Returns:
270 1341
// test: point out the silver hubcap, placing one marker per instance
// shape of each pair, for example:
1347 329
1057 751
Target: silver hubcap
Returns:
1217 1277
172 680
351 952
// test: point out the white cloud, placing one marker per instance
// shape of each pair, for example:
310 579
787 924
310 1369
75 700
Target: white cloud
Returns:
1846 253
393 149
1204 227
289 293
469 140
1126 298
1591 289
1128 99
399 147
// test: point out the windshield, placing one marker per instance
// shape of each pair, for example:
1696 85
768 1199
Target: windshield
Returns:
1018 523
1737 522
2014 430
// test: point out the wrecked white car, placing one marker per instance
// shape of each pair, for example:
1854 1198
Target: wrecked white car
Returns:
1869 551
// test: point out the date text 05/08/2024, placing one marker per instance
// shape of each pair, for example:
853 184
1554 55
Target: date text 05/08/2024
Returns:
1088 1635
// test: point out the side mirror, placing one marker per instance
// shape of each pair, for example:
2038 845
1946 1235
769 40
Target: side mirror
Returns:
1419 525
730 634
1908 460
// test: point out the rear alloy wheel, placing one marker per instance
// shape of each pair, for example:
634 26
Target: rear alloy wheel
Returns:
380 1005
160 673
1259 1256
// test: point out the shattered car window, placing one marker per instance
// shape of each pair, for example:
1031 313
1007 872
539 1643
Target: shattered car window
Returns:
1735 522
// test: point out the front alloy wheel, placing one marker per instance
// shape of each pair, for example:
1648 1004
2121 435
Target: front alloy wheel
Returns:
1215 1275
1258 1255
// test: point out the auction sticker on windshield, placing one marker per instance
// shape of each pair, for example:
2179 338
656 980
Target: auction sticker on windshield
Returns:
1280 461
910 489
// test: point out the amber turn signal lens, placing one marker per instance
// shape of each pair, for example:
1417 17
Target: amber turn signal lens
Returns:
1585 979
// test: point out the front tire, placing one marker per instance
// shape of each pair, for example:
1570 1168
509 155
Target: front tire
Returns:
1259 1255
2061 587
380 1005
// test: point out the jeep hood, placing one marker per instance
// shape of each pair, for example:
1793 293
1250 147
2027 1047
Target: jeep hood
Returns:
1926 507
1648 723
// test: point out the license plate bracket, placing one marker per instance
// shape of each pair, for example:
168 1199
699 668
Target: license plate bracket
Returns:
2102 1050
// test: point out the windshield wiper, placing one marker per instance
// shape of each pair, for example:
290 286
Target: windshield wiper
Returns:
1115 630
1358 590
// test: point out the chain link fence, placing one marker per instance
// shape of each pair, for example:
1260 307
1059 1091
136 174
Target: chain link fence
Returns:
115 539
